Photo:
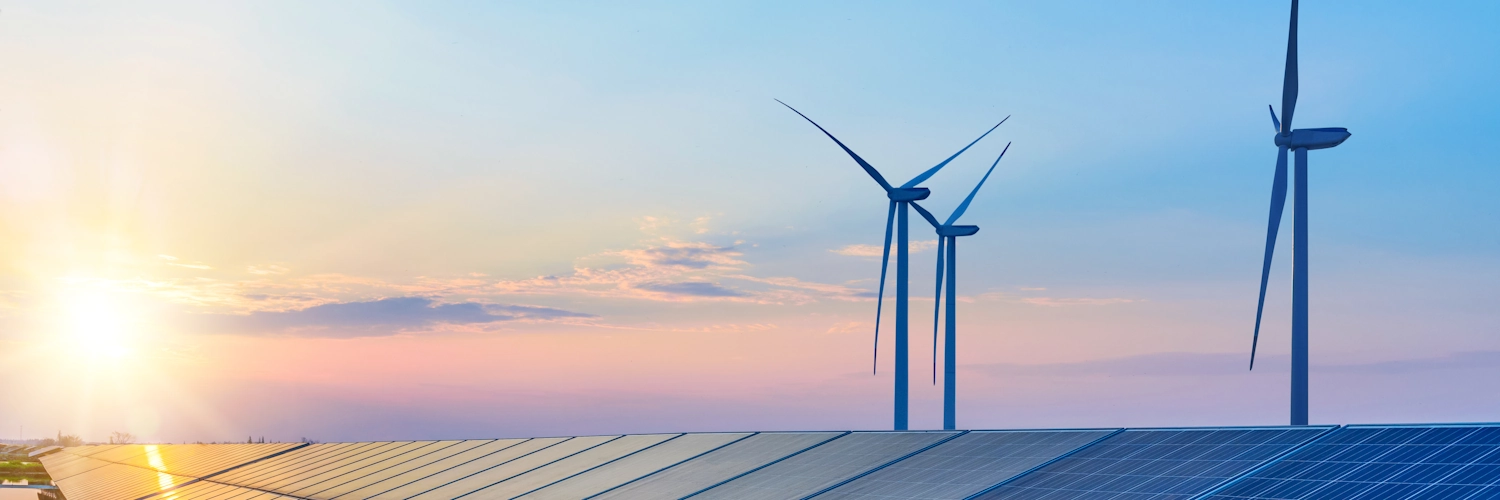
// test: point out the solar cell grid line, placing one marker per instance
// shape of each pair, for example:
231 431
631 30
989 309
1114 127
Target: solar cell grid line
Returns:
566 467
513 468
263 468
201 490
67 466
826 465
414 458
293 449
720 465
289 481
1156 463
965 465
417 468
1457 461
259 454
276 481
198 460
319 480
117 481
254 476
207 460
638 465
430 479
266 466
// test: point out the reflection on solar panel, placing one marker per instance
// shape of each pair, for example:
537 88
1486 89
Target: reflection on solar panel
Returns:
1156 463
1363 462
1385 462
718 465
567 467
639 464
965 465
826 465
513 468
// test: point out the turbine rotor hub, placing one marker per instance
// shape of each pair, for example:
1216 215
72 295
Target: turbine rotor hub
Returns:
957 230
908 194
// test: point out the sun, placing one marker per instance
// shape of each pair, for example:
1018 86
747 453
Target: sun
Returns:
96 325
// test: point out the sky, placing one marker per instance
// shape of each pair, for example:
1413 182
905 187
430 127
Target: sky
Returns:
371 220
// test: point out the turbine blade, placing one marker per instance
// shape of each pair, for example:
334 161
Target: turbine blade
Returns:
924 175
1278 202
937 302
1289 83
861 161
885 259
926 215
1276 124
965 205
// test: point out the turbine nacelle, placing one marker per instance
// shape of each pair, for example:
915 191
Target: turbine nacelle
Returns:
1313 138
957 230
908 194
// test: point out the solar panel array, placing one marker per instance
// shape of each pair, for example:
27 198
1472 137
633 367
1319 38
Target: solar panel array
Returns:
1373 462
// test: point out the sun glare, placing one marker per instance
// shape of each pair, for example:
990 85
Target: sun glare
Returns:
96 326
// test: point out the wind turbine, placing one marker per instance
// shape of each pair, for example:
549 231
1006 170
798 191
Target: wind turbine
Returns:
1299 141
948 240
900 197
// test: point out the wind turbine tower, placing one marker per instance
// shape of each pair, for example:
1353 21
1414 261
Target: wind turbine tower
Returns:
900 197
948 234
1299 141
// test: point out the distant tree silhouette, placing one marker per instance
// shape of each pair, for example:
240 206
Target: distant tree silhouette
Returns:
118 437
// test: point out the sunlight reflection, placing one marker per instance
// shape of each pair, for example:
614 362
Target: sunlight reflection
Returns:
153 457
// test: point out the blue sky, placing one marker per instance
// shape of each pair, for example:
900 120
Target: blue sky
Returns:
589 170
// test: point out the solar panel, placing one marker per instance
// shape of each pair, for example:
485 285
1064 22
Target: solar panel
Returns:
562 468
716 466
964 465
1385 462
118 481
503 449
314 477
517 467
405 461
1156 463
636 465
826 465
301 457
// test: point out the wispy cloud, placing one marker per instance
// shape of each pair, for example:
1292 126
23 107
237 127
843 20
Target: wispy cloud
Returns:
381 317
267 270
877 250
691 288
174 261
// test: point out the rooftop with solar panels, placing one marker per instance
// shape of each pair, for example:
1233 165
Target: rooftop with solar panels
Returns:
1455 461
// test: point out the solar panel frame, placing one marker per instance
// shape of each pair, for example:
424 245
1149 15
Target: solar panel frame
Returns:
958 468
829 464
457 454
293 486
489 451
439 478
1382 461
274 465
517 467
274 481
719 465
638 465
406 457
1139 462
569 466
